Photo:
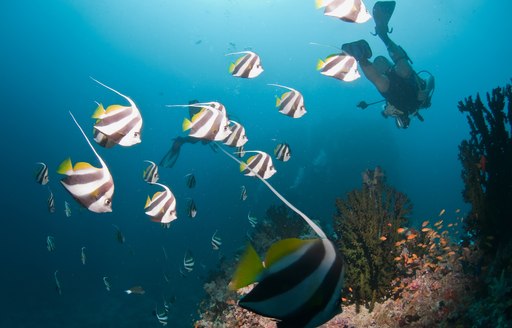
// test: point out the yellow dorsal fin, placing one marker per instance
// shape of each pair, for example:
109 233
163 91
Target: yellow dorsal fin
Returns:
320 64
65 167
156 195
286 94
248 270
199 114
112 108
83 166
282 248
98 112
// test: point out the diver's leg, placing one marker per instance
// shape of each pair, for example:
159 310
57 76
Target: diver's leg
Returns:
380 81
402 63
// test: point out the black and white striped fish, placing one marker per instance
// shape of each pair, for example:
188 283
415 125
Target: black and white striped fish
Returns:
291 102
243 193
117 124
216 241
339 66
150 174
188 261
162 207
240 152
191 209
299 282
352 11
282 152
91 187
50 243
261 163
237 137
51 202
67 209
247 66
42 174
190 180
209 123
252 220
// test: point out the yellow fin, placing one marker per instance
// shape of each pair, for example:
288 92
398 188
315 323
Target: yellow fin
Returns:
231 68
278 101
242 166
65 166
319 4
320 64
186 124
284 247
83 166
112 108
156 195
248 270
98 112
147 202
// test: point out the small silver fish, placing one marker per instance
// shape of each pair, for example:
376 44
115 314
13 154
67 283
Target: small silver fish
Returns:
82 255
107 283
50 243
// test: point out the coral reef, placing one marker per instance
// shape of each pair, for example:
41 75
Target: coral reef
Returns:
368 221
486 159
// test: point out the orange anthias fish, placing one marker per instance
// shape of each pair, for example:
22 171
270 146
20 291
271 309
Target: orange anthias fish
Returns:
482 163
136 290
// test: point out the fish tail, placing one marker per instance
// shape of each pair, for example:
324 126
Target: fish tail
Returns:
65 167
186 124
100 110
231 68
320 64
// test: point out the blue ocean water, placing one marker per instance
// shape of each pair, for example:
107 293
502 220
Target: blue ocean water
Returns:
169 52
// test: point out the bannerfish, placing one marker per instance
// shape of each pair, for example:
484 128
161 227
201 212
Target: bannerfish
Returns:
299 283
120 125
188 261
291 102
209 123
191 209
50 243
136 290
247 66
119 235
237 137
339 66
162 207
107 284
260 164
57 283
67 209
216 241
352 11
282 152
83 258
243 193
252 220
91 187
42 174
51 202
240 152
190 180
150 174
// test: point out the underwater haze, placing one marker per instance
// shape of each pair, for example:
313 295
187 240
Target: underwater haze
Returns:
161 52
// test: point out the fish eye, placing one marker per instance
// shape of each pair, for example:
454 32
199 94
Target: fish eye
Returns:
108 202
136 134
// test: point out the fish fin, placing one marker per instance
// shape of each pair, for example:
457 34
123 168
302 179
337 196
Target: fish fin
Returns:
186 124
112 108
320 64
242 166
65 167
128 291
248 269
156 194
282 248
147 202
82 166
231 68
100 110
319 4
278 101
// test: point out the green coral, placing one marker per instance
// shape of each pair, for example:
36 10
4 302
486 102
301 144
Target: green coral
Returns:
367 221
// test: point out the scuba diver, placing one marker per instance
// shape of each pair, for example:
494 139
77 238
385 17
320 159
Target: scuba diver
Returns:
404 91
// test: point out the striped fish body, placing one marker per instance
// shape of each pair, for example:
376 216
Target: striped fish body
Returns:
261 163
282 152
192 209
291 103
340 66
150 174
42 174
240 152
216 241
243 193
188 261
208 124
191 180
237 137
102 140
352 11
51 203
162 207
121 125
247 66
300 284
91 187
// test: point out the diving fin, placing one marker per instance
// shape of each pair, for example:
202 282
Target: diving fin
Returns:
382 12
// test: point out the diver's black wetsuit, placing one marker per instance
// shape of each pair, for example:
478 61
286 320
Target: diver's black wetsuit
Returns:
402 93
